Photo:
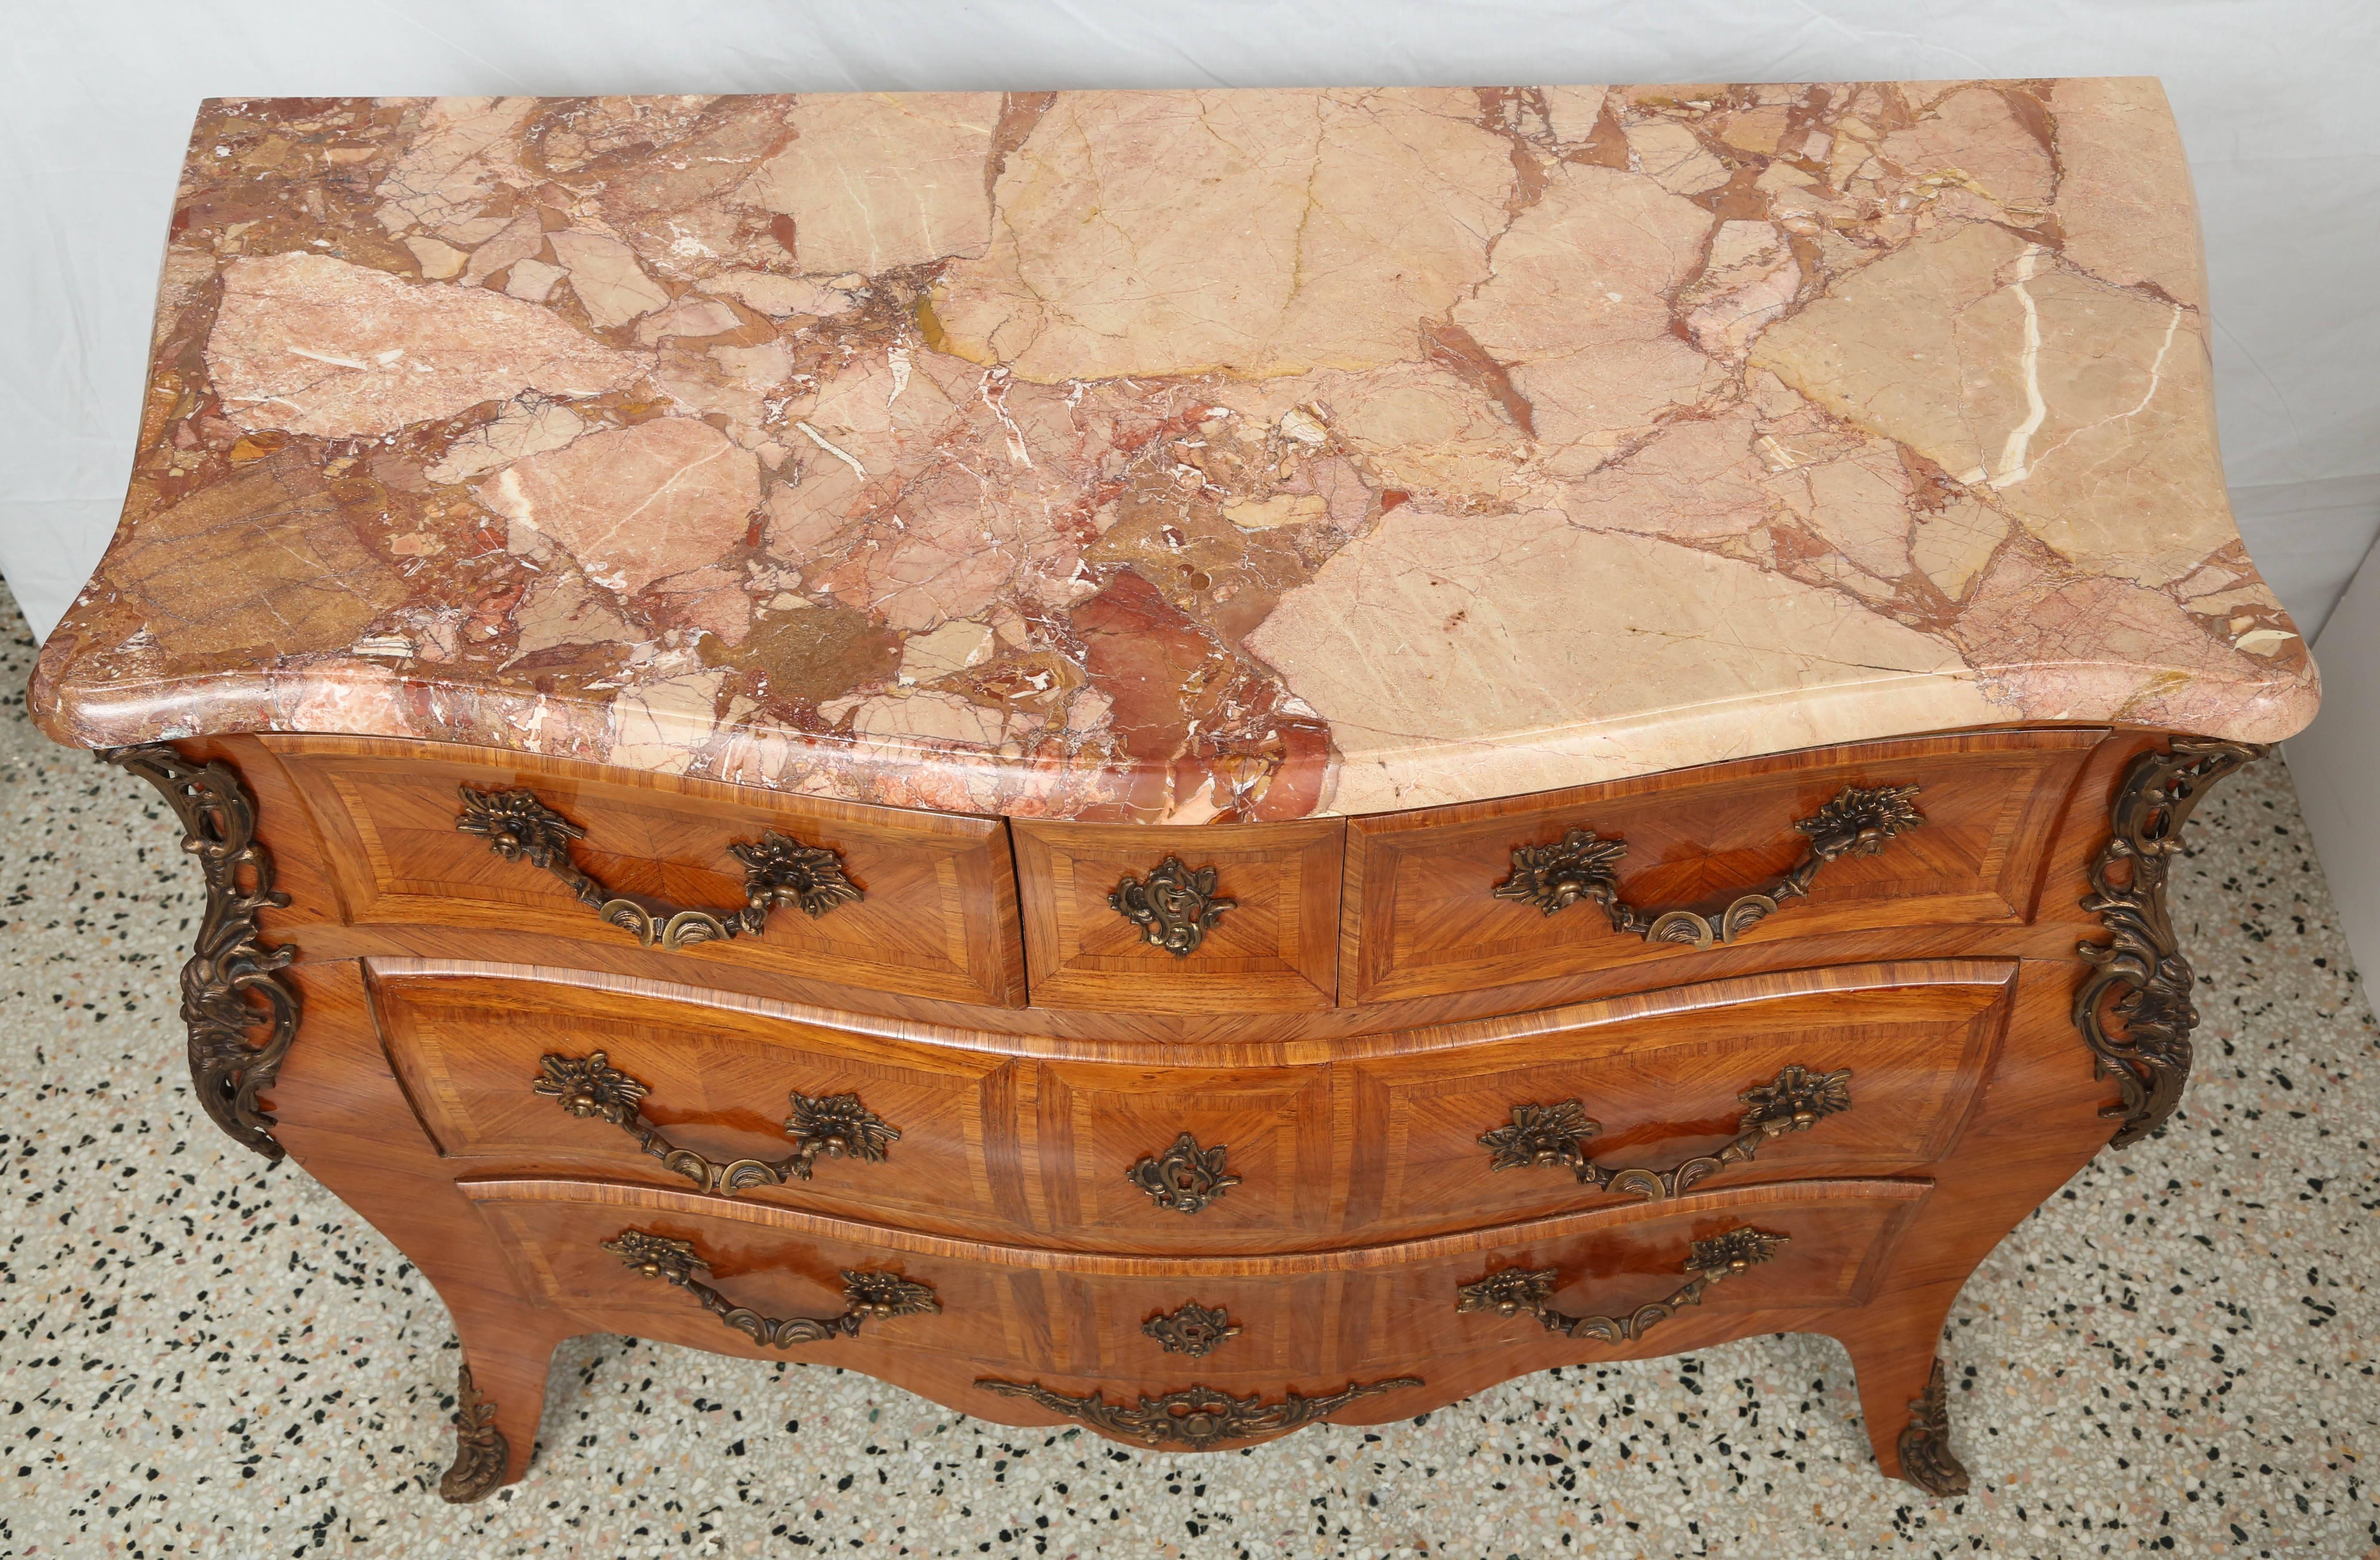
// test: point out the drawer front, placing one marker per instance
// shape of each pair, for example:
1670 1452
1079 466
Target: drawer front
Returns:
1663 1095
1875 1081
1312 1322
1260 1168
1425 917
719 1084
1221 917
934 915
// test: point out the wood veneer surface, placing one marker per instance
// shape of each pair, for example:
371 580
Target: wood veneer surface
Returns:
1343 1144
1962 1032
979 961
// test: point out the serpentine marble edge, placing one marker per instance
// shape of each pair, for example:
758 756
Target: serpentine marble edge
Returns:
1181 455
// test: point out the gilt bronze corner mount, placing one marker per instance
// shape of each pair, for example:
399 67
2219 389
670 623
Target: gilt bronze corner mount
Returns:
2141 978
232 986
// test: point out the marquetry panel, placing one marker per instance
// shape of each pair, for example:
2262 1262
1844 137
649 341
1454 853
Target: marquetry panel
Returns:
1665 1088
936 919
1309 1321
1094 1123
1424 918
1276 949
1838 1235
468 1053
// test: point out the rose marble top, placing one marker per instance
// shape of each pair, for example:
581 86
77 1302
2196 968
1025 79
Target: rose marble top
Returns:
1181 455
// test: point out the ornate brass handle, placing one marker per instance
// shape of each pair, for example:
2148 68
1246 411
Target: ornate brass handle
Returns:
1185 1178
836 1125
866 1292
1175 909
1792 1101
1514 1290
778 869
1195 1416
1192 1329
1554 877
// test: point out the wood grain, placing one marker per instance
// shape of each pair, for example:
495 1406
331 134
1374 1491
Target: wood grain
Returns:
1336 1143
467 1052
938 919
343 1112
1367 1195
345 1120
1310 1322
1276 949
1668 1089
314 923
1424 922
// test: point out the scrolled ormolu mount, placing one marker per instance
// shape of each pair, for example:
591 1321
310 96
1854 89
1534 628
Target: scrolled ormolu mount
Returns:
866 1292
2150 1058
779 871
1793 1101
1192 1329
1515 1290
231 984
480 1449
1859 821
1175 909
1195 1416
1185 1178
836 1126
1925 1443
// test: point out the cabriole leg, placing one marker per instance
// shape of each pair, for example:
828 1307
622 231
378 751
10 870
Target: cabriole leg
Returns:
499 1397
1902 1398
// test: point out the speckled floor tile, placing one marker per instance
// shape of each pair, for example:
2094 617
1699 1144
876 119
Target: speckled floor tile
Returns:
201 1357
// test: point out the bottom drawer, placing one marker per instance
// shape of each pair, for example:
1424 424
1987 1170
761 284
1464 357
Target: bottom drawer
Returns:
1438 1317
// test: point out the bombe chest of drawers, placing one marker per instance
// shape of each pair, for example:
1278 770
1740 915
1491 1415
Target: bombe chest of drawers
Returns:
1186 762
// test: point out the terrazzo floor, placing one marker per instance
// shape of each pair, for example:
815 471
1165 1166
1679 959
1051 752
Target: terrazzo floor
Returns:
201 1357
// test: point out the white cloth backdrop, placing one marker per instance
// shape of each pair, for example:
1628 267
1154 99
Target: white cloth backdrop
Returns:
2275 99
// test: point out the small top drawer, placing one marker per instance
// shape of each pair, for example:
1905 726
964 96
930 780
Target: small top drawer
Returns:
916 903
1489 894
1230 918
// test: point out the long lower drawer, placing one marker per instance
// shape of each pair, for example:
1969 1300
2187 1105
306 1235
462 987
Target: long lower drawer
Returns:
1851 1072
1059 1329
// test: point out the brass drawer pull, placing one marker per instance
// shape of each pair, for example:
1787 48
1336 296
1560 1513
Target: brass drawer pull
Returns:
837 1125
1175 909
778 869
865 1293
1859 821
1793 1101
1514 1290
1195 1416
1185 1178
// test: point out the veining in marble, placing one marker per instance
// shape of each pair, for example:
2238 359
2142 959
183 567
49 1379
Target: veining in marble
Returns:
1181 455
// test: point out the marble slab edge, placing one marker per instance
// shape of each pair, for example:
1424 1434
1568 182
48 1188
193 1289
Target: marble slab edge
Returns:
1181 455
